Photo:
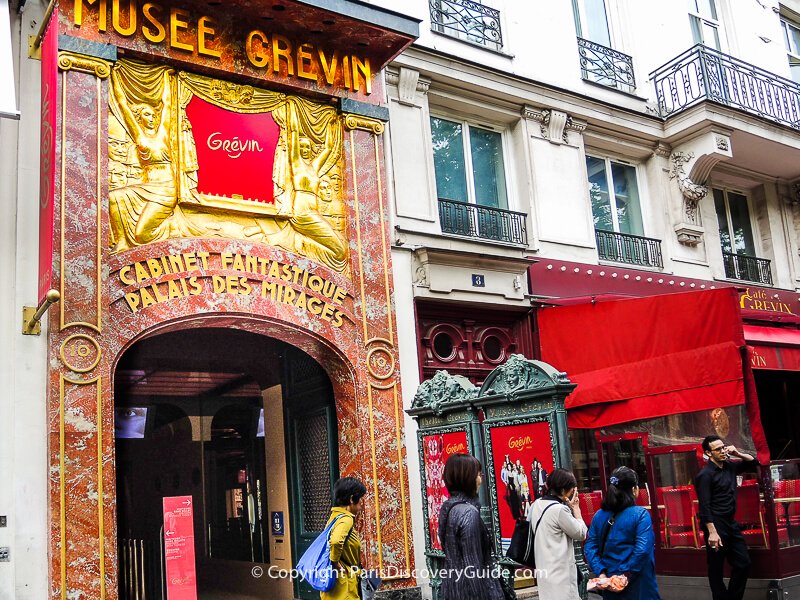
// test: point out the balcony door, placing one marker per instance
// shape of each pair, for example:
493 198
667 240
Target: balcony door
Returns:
591 21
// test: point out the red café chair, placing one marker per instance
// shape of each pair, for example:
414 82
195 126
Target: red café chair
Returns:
584 502
793 489
749 515
679 522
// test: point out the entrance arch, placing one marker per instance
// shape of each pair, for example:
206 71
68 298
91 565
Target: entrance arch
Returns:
245 426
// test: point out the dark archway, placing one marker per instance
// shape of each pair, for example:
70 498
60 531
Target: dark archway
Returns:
212 413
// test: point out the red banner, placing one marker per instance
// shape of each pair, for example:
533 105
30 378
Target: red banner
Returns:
522 458
179 548
47 157
437 449
235 151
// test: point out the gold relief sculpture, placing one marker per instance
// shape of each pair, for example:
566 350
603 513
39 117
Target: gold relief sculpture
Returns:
154 170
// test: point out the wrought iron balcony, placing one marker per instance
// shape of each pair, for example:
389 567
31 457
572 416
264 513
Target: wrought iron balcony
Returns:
628 248
466 20
702 73
606 66
747 268
486 222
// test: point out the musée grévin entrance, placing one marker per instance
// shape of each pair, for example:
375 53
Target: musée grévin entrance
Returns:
217 224
243 427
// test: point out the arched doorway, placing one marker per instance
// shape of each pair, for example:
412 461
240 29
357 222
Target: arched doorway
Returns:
243 423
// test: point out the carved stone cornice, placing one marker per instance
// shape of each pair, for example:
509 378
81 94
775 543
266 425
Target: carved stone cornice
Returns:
358 122
662 150
518 375
554 124
408 83
69 61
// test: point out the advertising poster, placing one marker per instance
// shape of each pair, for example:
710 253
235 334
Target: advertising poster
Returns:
522 458
179 548
437 448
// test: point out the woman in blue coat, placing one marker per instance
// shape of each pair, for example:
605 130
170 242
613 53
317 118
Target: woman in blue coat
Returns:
621 540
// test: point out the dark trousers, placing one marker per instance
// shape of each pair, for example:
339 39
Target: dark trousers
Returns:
734 549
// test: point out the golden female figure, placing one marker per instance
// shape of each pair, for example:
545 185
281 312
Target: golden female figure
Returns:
313 236
139 211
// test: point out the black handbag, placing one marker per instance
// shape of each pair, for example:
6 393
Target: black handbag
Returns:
521 547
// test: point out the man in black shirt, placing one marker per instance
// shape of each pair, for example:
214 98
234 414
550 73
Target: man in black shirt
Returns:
716 495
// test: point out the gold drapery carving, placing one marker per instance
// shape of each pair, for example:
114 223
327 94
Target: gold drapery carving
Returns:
153 167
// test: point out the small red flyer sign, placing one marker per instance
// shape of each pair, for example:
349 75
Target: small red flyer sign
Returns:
179 548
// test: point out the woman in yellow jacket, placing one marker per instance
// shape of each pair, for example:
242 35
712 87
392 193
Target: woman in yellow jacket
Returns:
348 498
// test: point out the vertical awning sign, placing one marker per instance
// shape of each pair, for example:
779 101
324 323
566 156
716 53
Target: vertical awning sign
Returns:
8 95
47 156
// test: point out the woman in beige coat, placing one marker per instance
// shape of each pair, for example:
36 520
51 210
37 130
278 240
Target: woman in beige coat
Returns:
560 525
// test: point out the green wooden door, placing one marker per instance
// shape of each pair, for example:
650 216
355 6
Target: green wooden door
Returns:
313 455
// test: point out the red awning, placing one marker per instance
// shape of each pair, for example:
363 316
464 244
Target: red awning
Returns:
773 348
647 357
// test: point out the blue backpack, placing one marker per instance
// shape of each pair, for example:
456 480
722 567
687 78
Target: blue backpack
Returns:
315 564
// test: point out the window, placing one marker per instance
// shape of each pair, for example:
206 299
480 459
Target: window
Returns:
469 164
592 21
705 23
791 39
467 20
735 231
614 194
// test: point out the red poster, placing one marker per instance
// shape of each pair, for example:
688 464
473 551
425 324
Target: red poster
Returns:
522 459
47 157
437 449
179 548
235 151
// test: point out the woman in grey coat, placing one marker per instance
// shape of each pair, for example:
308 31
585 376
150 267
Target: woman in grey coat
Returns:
467 545
561 524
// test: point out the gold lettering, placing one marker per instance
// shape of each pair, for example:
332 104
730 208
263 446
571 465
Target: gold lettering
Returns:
132 298
141 273
147 299
288 295
315 283
190 260
204 259
364 69
281 48
176 262
346 70
328 68
274 269
268 286
337 319
339 296
257 55
159 296
155 268
218 283
238 263
174 289
252 264
115 18
177 20
227 259
101 17
327 312
124 277
314 306
202 32
304 58
245 286
157 35
196 287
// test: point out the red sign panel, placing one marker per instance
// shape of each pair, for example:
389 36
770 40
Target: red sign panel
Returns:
522 457
775 358
437 449
47 157
235 151
179 548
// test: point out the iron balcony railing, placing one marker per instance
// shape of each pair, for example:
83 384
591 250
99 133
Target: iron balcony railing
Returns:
747 268
486 222
606 66
628 248
468 21
702 73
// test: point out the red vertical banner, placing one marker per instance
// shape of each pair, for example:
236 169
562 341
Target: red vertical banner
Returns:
47 156
179 548
522 457
436 449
